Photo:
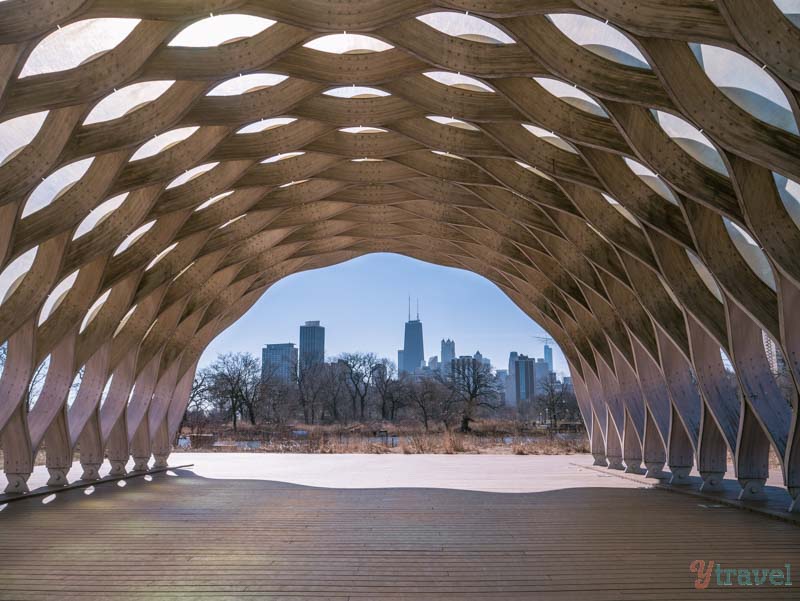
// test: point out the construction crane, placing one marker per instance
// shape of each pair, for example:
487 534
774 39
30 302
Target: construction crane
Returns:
545 339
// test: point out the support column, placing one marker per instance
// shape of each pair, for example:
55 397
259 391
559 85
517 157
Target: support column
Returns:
631 447
655 454
140 447
161 444
613 447
91 448
117 447
681 452
17 452
712 455
58 450
752 458
598 443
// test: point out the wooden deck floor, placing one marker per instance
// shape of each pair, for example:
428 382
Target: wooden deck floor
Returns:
190 537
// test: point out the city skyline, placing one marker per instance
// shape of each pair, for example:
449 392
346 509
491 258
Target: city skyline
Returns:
457 305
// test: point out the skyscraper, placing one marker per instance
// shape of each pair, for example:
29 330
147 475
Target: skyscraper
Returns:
312 344
541 376
524 380
413 356
448 353
548 356
511 394
279 362
482 360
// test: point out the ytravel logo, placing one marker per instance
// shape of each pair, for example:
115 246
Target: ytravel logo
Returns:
743 577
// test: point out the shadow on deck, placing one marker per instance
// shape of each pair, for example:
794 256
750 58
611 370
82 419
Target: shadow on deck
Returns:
180 535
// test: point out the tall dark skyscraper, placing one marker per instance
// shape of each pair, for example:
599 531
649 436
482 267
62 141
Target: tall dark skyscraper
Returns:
312 344
548 356
413 356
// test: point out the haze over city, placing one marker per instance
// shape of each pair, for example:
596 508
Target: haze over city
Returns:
363 305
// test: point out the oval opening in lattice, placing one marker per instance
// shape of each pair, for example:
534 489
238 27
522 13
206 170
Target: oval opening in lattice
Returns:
652 180
705 275
747 85
356 92
94 310
131 238
600 38
17 133
266 124
99 214
550 137
281 157
348 43
219 29
362 130
691 140
452 122
213 200
751 252
245 84
571 95
11 277
127 99
162 141
75 44
56 185
465 26
192 173
456 80
55 298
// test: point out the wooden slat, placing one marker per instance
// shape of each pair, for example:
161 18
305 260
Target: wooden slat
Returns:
190 537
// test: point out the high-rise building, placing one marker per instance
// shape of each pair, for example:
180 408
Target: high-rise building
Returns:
401 367
548 356
524 379
279 362
482 360
501 377
433 363
541 375
448 353
567 384
312 344
413 348
777 364
511 395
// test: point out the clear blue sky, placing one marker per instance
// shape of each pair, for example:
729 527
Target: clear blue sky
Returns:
363 305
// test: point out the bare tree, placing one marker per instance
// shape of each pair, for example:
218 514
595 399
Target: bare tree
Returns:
235 382
359 369
312 384
430 399
555 403
386 389
276 396
199 404
473 386
335 390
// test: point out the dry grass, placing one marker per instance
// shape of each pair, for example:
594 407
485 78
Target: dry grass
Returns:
488 437
551 445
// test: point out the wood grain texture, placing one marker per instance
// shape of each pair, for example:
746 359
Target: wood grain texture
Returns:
193 537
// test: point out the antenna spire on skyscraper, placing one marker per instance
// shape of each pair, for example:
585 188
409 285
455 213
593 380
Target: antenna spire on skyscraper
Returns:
409 307
417 309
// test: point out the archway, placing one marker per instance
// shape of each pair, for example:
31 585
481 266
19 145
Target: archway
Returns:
647 218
